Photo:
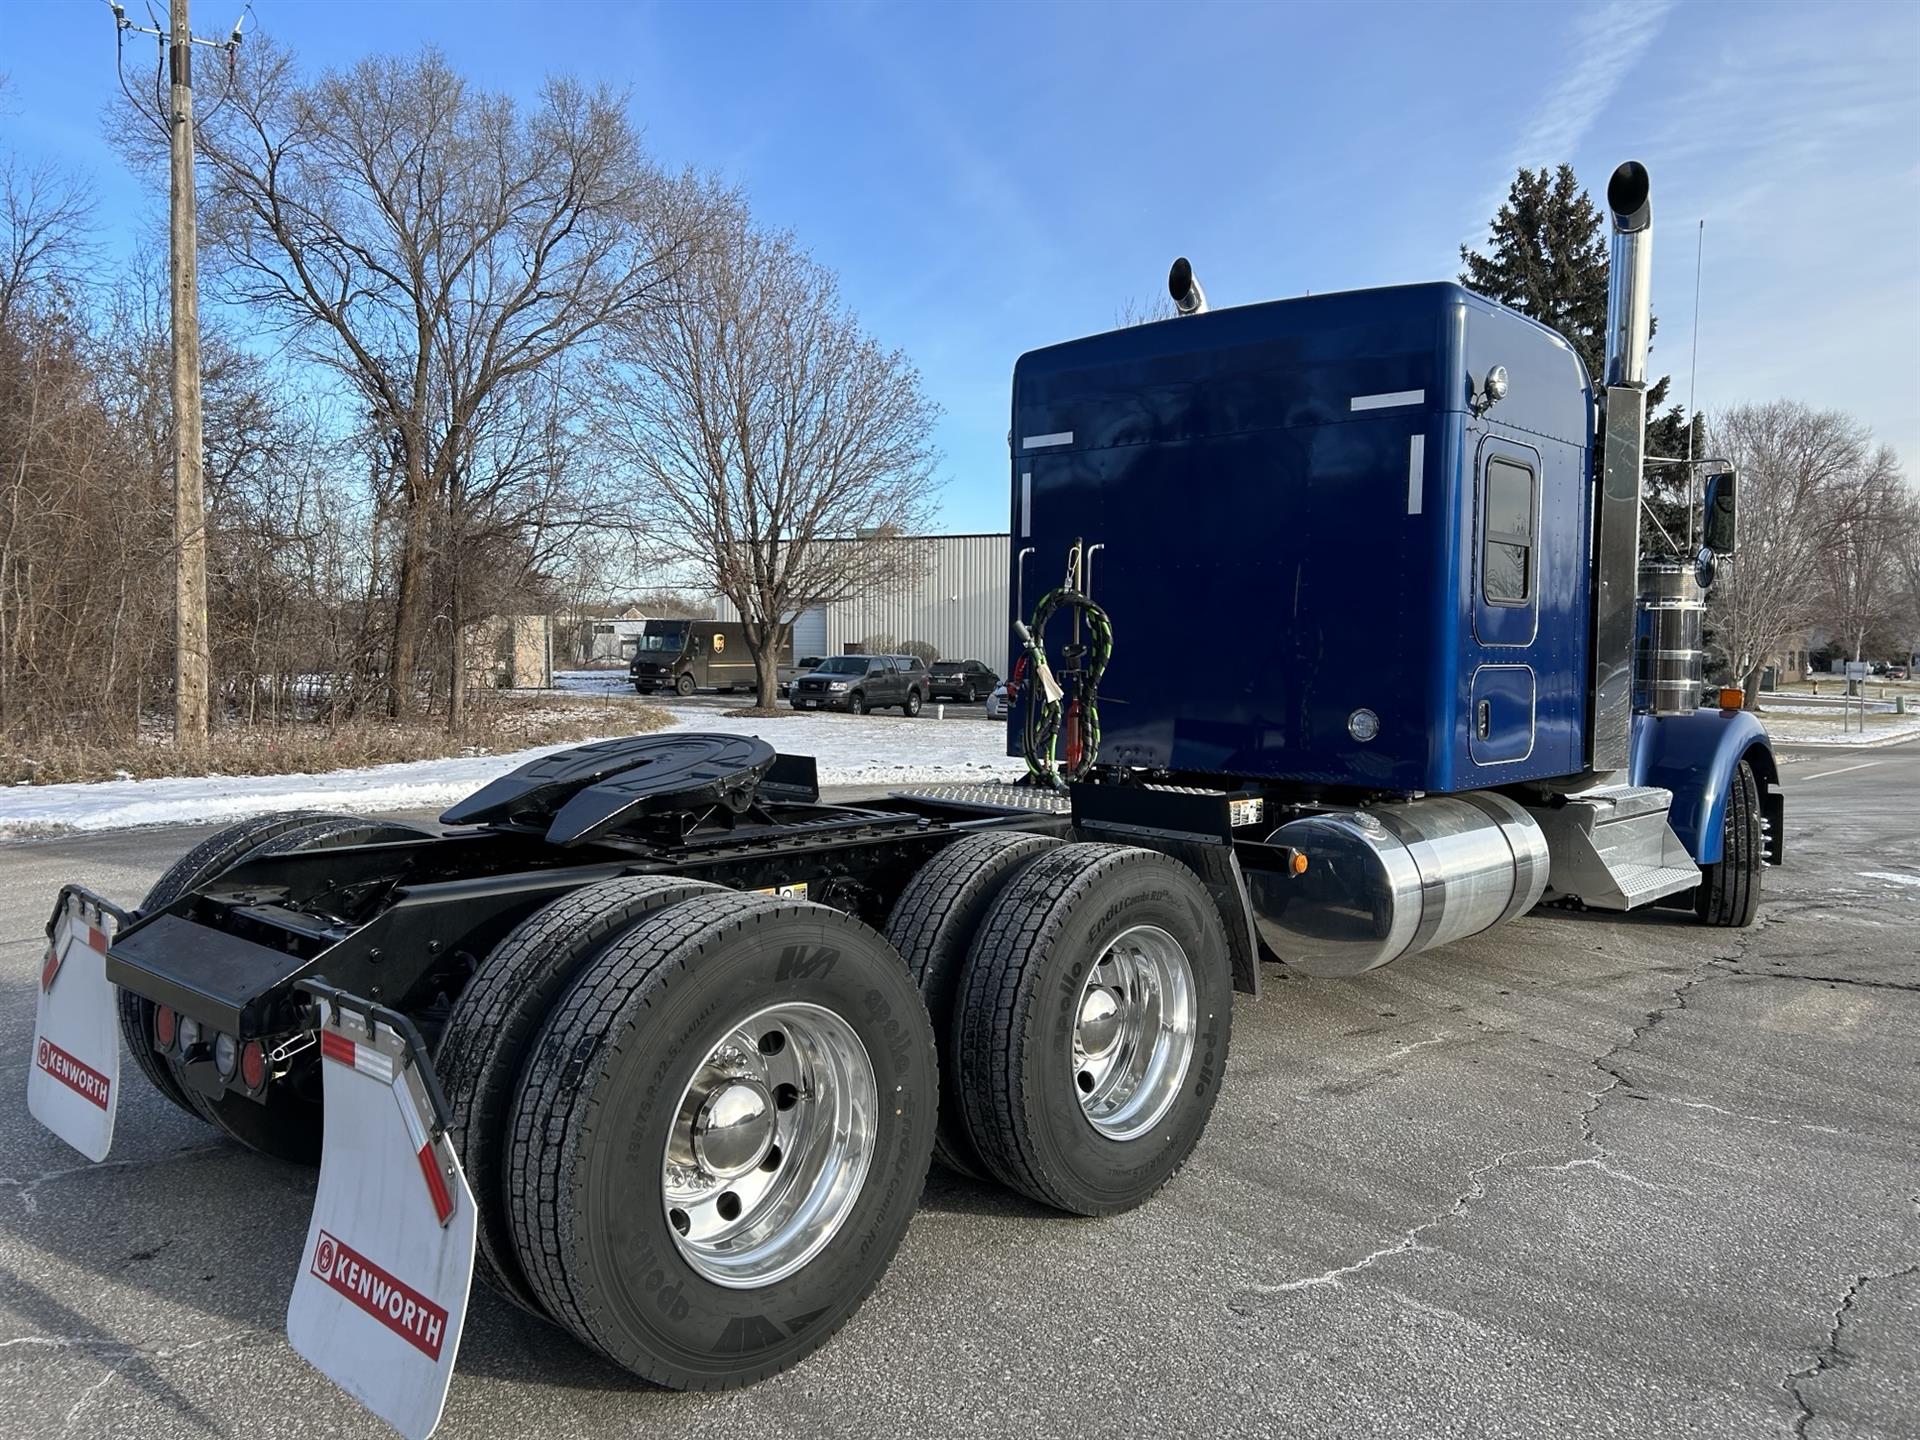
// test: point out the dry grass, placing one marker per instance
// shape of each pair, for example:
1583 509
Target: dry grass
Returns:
314 748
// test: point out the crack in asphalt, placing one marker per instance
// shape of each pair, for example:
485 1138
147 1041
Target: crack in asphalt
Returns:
27 1187
1832 1355
1409 1240
1738 1114
1600 1159
113 1354
1828 980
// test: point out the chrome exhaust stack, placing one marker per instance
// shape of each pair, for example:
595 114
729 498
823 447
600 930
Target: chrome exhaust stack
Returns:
1629 276
1616 513
1188 297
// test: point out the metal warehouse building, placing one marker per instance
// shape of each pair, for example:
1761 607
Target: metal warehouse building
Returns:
953 596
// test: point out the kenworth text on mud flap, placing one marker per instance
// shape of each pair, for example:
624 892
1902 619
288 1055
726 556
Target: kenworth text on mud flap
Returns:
661 1045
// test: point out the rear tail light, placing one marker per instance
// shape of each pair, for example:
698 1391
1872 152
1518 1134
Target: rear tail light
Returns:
189 1030
253 1065
226 1054
164 1027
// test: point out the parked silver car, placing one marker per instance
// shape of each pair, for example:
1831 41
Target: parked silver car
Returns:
997 702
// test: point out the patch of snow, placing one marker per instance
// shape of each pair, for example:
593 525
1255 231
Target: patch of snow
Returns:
1890 877
848 749
1807 730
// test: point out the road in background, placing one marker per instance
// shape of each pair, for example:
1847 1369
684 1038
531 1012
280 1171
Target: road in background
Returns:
1585 1176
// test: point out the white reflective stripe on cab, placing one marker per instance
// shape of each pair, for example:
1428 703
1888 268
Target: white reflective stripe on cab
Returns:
73 1069
380 1298
1387 401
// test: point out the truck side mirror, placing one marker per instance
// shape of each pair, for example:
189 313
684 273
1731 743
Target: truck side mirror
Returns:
1719 528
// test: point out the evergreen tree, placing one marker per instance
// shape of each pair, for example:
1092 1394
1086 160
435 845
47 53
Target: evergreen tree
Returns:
1546 257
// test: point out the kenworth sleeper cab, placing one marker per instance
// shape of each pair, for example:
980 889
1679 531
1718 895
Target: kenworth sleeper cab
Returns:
661 1045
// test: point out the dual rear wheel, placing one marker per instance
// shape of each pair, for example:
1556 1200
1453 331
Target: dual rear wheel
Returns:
698 1122
1082 995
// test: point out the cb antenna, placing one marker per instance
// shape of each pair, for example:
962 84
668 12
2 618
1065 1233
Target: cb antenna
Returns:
1693 371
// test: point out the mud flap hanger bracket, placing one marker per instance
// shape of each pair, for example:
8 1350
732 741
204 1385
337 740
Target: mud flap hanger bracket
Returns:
346 1006
87 899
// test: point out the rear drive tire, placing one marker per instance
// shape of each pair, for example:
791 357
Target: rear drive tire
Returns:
219 852
710 1031
933 923
1729 893
288 1123
911 706
493 1026
683 685
1093 1026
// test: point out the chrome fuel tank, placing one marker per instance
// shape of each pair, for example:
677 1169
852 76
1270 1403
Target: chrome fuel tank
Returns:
1399 879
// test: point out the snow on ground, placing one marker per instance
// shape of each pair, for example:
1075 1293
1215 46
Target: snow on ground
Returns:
849 750
593 682
1826 729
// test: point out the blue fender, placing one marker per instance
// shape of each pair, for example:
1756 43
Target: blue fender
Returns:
1694 756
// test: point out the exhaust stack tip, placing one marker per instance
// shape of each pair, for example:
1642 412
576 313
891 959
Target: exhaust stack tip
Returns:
1627 197
1188 297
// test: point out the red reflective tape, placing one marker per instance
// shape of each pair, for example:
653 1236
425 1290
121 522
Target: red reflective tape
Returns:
96 939
335 1046
391 1301
74 1073
436 1183
51 969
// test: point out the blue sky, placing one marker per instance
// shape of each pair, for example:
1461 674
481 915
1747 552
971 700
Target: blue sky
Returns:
992 177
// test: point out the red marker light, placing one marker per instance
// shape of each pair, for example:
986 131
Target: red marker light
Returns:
163 1027
253 1065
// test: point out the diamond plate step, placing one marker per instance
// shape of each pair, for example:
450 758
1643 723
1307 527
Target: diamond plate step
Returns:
1023 798
1642 884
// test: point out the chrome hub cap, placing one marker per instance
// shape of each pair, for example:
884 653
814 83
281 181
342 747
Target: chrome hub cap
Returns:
1133 1038
770 1145
1100 1021
734 1130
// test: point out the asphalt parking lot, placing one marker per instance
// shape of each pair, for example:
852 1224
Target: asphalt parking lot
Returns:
1585 1177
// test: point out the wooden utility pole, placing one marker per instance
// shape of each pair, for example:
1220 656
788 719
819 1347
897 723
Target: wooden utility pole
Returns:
189 494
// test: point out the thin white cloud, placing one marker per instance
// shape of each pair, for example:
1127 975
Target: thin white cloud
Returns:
1603 47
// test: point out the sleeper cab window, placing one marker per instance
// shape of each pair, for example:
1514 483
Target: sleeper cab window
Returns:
1506 530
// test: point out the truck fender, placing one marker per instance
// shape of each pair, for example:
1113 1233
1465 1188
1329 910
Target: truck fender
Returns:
1695 757
1209 856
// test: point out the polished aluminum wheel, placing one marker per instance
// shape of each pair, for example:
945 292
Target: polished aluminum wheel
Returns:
1133 1035
771 1145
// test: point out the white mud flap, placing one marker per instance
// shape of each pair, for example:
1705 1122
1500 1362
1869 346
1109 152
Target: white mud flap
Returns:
381 1293
73 1074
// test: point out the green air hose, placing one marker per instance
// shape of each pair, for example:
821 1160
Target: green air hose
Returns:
1051 705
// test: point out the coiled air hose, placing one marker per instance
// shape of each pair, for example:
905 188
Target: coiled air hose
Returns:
1052 706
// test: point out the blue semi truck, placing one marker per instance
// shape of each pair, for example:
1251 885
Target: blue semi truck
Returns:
660 1045
1412 620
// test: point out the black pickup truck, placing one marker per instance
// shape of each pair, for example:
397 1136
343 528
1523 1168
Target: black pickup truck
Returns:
863 682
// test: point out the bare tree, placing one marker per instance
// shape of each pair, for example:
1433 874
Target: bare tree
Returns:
1857 562
46 232
433 244
766 431
1135 311
1906 557
1792 461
